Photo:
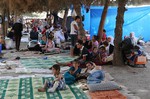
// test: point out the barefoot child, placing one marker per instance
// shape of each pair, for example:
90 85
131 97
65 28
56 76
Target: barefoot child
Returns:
57 84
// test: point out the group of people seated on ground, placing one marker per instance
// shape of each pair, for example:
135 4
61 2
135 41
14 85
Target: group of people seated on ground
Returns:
93 74
87 57
90 53
131 49
98 53
48 41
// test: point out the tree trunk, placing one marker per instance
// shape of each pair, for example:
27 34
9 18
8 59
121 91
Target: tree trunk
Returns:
8 17
118 59
15 16
55 17
6 21
48 17
77 7
103 2
3 22
102 22
6 25
65 18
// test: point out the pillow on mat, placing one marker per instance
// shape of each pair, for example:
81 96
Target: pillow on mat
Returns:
109 85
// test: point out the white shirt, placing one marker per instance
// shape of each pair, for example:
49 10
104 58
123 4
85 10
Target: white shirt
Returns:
82 48
73 30
51 28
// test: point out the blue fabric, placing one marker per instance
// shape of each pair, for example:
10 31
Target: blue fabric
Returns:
42 42
95 77
136 20
50 84
77 71
61 85
136 54
70 78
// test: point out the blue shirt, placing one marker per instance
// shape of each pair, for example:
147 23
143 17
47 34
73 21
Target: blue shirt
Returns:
78 71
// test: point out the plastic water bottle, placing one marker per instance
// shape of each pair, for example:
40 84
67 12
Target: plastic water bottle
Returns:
45 57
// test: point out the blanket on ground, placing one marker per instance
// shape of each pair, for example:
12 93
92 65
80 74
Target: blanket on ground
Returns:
44 62
26 88
114 94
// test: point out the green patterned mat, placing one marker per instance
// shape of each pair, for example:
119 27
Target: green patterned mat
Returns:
26 88
44 62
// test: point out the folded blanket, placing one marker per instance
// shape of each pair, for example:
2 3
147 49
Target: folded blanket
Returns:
107 95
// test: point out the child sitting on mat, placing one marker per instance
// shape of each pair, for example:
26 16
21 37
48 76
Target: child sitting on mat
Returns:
57 84
50 46
103 54
71 75
95 56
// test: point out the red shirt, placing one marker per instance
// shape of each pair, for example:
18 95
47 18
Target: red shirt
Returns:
104 37
43 32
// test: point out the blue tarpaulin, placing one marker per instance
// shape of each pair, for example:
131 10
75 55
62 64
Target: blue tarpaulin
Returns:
136 19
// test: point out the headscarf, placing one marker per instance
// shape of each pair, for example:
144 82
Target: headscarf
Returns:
112 39
133 38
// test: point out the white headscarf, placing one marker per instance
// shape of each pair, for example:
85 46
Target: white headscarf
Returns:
133 38
112 39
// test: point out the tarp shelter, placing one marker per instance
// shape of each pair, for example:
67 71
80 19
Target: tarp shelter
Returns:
136 19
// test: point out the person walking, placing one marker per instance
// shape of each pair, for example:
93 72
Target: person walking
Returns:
18 27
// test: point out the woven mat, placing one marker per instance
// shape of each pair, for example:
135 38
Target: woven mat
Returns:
44 62
26 88
114 94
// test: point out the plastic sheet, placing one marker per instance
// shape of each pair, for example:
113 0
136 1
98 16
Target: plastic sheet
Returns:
136 20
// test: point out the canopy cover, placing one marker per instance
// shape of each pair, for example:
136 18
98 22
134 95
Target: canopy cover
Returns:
136 20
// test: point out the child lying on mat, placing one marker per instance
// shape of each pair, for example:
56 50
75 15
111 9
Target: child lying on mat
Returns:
93 74
71 75
89 67
57 84
96 75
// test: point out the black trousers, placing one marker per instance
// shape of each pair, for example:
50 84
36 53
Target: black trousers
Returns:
36 48
73 39
17 41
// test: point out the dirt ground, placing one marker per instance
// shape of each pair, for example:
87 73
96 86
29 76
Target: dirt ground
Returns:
136 80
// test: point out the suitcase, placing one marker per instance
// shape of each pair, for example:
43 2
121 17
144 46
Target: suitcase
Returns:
140 61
